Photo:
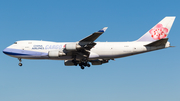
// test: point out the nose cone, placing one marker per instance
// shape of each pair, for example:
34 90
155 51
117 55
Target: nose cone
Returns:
6 51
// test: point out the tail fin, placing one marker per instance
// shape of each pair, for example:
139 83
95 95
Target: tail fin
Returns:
159 31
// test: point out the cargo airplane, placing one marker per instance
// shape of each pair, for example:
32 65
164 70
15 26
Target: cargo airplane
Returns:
88 51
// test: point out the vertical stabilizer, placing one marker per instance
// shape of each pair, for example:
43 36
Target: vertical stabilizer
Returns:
159 31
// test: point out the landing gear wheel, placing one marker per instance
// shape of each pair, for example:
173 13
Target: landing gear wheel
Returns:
80 64
88 65
20 64
82 67
75 64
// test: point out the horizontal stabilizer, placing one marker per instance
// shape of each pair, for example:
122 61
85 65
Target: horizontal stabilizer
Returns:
158 42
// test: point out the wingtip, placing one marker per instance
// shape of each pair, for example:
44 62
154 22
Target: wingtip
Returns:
103 30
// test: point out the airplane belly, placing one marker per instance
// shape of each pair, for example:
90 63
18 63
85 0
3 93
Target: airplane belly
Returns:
101 52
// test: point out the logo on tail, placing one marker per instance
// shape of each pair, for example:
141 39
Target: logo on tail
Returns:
158 32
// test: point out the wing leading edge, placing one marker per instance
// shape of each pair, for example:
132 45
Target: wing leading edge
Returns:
94 36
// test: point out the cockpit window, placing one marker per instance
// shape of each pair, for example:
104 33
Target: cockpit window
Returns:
15 43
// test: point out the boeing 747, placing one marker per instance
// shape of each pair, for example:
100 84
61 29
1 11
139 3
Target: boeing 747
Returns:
86 51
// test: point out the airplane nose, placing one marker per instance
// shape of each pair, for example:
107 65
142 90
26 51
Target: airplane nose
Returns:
6 51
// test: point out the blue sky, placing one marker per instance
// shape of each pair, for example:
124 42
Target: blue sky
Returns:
152 76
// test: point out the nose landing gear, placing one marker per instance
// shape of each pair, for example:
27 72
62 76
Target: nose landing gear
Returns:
20 64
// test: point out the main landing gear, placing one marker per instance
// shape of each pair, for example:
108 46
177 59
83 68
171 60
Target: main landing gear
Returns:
20 64
84 64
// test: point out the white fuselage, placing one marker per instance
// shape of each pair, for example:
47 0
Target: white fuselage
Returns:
31 49
87 50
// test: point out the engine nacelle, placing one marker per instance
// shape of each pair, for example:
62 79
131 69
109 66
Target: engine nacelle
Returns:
72 47
99 62
54 54
68 63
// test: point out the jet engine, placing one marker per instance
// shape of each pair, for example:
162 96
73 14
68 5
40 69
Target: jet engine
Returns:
99 62
68 63
54 54
72 47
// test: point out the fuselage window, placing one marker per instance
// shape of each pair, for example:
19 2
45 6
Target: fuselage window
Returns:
15 43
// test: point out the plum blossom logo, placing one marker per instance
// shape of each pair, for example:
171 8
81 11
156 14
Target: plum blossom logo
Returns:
158 32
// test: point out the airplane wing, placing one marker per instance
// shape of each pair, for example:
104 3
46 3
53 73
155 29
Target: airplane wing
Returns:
94 36
88 42
82 48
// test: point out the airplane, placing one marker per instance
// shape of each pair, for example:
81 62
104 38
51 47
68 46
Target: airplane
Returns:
88 51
